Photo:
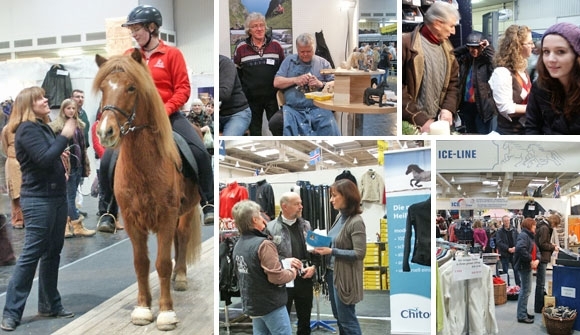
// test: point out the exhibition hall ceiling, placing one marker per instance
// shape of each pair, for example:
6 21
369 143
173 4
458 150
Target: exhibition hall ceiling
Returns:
286 156
505 184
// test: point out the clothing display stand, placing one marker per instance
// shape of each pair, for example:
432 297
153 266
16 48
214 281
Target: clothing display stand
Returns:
227 323
318 324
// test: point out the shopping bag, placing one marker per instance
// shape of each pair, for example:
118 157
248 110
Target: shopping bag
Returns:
208 139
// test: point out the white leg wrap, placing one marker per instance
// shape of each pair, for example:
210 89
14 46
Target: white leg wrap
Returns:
141 316
167 320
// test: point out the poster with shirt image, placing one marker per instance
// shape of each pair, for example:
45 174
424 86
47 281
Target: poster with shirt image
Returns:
408 187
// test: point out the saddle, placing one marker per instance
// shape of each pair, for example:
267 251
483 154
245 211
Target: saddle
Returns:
189 165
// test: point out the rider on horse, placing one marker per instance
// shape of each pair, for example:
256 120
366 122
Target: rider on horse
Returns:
173 85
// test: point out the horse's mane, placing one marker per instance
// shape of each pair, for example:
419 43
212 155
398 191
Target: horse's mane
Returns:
148 99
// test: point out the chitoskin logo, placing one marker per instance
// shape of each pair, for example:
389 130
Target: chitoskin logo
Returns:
414 313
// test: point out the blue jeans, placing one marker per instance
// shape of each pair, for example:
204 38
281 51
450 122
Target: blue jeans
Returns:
236 124
344 314
505 261
43 241
276 322
540 282
72 185
525 290
311 121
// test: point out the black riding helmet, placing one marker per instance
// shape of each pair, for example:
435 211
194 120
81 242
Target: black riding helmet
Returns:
144 14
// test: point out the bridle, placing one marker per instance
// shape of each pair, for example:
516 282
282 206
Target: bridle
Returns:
128 126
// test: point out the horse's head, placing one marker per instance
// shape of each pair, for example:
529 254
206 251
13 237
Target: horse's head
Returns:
127 90
411 168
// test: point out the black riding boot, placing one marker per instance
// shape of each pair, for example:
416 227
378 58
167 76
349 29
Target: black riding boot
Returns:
108 209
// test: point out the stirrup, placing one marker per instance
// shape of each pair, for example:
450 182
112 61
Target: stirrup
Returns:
206 205
101 218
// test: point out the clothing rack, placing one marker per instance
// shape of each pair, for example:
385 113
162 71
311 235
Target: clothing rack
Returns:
227 323
462 250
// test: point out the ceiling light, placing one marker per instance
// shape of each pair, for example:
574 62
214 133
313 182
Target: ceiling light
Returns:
452 179
341 152
262 170
237 164
464 194
459 188
354 161
546 180
499 179
252 148
305 166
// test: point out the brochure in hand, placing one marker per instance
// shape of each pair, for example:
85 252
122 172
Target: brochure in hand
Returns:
317 240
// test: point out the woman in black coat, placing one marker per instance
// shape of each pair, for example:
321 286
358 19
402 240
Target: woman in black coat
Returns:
526 261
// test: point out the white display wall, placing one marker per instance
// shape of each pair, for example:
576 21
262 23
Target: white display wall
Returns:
281 183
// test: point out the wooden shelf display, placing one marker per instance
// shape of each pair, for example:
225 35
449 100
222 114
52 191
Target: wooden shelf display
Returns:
376 263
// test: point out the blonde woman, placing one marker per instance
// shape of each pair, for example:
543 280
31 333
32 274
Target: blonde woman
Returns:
44 207
78 164
510 82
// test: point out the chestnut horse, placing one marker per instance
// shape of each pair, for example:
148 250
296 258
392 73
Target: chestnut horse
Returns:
152 193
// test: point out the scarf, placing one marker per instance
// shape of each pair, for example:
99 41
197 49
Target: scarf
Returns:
428 34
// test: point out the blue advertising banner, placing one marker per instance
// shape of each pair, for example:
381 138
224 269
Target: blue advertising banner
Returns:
408 186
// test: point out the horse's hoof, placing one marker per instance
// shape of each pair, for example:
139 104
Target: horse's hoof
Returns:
167 320
180 285
141 316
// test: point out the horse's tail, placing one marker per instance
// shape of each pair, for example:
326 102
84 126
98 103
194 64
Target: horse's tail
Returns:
194 246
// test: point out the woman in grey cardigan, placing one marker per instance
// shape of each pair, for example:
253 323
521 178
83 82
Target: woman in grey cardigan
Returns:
344 263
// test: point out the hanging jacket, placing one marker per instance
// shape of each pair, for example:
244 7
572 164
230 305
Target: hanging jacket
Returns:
419 220
265 198
322 49
372 187
57 85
